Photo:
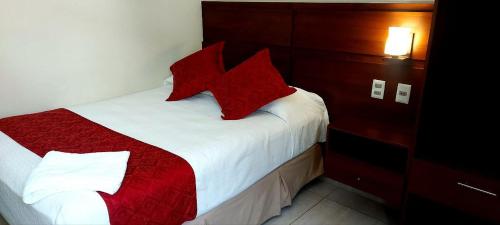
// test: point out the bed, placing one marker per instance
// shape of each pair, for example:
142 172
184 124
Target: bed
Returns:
240 181
259 162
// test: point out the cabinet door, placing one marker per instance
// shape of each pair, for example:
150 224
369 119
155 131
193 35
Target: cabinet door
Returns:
458 125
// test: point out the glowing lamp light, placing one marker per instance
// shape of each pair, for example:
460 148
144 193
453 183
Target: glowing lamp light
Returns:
399 42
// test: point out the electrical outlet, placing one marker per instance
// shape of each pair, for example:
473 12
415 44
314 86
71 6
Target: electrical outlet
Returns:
403 93
378 88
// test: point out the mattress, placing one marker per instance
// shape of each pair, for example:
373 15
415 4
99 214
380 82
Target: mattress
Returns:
227 156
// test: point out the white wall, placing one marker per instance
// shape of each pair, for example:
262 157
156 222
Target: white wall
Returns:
56 53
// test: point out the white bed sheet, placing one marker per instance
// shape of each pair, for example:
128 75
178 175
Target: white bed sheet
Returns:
227 156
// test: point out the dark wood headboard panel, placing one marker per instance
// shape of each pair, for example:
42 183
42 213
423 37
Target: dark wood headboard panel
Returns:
333 49
249 27
339 50
359 28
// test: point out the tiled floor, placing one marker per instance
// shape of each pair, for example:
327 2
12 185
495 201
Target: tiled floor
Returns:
2 221
326 202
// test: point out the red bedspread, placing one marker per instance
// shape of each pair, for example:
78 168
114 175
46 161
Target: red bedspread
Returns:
159 187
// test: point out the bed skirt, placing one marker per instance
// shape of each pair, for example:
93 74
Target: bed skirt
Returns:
265 198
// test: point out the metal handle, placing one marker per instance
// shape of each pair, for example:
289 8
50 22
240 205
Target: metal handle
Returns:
358 179
476 189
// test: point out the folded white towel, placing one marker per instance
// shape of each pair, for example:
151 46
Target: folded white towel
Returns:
62 172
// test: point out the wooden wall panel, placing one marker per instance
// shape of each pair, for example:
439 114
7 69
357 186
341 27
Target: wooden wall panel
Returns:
345 85
358 29
333 49
249 27
339 50
236 52
269 23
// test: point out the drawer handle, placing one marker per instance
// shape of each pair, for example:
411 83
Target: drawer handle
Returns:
476 189
358 179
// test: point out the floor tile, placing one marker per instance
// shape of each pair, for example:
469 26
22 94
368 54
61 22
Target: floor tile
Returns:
320 187
328 212
361 204
303 201
2 221
351 189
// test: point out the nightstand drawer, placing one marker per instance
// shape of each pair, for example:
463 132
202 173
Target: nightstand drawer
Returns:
460 190
385 184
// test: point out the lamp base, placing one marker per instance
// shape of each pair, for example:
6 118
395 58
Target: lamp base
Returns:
389 60
397 59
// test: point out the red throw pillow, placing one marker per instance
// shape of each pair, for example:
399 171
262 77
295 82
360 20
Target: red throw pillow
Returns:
194 72
249 86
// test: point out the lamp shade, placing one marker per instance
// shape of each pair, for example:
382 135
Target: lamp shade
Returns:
399 41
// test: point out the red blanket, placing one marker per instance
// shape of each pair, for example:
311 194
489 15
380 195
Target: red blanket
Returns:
158 188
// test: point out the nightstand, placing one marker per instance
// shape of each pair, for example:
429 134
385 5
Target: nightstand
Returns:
371 157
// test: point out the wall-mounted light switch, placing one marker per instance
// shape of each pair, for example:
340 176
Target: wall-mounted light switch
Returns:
403 93
378 88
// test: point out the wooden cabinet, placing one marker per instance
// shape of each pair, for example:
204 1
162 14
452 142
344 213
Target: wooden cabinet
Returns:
422 211
458 119
370 157
456 164
454 188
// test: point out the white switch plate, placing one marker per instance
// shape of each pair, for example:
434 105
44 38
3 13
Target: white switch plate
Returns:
403 93
378 88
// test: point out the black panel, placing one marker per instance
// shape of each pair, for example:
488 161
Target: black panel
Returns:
458 124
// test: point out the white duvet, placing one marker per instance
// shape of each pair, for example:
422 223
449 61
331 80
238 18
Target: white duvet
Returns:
227 156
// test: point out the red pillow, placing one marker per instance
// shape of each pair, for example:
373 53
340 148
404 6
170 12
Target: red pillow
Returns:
194 72
249 86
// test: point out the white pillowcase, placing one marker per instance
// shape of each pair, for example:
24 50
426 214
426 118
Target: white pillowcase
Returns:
300 106
207 93
286 106
170 81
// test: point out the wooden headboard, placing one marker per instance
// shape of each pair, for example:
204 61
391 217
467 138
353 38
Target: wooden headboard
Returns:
332 49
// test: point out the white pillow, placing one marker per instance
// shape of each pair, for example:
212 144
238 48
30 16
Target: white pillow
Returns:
168 81
301 99
209 93
300 106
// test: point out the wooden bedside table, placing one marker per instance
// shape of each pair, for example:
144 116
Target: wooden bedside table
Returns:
372 157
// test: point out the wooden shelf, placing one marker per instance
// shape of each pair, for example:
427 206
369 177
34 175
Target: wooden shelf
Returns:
398 134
